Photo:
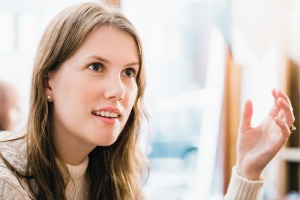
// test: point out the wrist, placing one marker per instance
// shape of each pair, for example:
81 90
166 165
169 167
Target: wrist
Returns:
249 174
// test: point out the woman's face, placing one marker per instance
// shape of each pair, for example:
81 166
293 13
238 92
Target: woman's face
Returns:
93 91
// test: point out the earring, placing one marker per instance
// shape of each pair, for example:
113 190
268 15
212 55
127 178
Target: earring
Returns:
48 98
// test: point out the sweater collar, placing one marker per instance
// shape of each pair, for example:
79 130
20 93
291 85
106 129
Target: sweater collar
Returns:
77 171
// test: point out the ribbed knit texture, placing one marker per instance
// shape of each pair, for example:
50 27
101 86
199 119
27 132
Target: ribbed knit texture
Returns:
76 188
241 188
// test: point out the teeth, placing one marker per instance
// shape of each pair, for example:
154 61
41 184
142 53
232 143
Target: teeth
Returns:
105 114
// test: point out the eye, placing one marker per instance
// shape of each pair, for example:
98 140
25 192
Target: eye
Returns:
96 67
129 72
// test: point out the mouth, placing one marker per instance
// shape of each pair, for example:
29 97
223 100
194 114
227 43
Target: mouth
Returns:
105 114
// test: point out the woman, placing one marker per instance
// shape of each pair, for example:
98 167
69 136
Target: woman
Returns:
86 111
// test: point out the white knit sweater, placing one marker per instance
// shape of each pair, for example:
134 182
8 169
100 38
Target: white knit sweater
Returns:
12 188
242 189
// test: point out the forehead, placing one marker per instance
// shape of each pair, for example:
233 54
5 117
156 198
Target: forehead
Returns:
109 39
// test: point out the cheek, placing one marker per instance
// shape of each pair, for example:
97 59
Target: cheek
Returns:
74 100
132 95
71 99
71 91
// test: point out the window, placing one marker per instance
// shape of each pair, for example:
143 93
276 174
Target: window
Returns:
184 61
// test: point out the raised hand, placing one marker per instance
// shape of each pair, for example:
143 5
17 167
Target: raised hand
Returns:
257 146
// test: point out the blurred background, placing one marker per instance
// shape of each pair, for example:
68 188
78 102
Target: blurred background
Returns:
203 58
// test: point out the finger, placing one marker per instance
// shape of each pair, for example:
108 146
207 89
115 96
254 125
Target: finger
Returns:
247 116
274 94
288 111
275 109
284 96
283 126
281 116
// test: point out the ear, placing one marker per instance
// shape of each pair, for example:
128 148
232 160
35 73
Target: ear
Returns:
47 83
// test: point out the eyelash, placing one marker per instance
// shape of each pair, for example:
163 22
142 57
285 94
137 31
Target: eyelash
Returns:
99 65
100 69
133 73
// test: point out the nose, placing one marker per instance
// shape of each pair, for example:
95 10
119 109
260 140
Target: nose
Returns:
115 89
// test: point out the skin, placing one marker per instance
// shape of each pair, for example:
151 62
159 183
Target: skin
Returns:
13 114
10 106
101 75
258 145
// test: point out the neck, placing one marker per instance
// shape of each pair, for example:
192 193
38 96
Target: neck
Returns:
71 150
72 157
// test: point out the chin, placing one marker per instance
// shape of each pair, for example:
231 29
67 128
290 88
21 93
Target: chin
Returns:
107 141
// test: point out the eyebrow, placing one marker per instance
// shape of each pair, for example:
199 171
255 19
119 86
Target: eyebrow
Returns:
107 61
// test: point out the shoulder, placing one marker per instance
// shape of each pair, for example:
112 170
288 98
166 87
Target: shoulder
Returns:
13 150
10 186
14 143
7 135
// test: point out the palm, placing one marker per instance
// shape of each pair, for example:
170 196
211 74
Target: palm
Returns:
257 146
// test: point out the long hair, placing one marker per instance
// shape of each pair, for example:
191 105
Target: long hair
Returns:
114 172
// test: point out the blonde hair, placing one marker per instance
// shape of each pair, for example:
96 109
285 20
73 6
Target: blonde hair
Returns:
114 172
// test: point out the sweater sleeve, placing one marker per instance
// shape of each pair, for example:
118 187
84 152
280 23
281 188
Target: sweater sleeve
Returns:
11 191
12 187
242 188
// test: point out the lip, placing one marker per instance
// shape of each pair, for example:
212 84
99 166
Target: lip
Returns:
109 109
107 120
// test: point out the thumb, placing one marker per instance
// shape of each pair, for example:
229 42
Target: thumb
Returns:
247 116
